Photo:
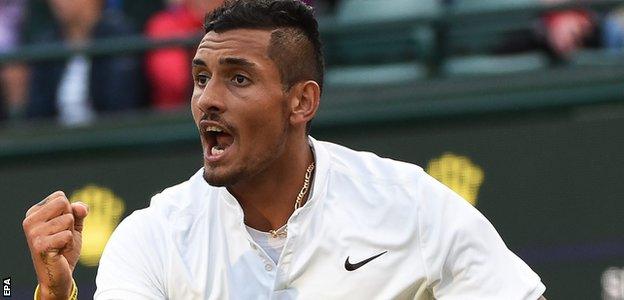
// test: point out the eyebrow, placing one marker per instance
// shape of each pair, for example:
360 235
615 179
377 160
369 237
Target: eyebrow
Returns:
198 63
236 61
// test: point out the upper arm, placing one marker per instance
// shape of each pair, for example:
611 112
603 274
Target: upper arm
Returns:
131 265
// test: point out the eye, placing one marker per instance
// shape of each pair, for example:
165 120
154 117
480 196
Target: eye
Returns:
202 79
240 80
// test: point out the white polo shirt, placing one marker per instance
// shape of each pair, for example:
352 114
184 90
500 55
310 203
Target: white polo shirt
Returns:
402 234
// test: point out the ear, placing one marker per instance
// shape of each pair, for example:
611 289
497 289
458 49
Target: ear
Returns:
305 100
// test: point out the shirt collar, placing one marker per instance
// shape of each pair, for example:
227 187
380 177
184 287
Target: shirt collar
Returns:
317 191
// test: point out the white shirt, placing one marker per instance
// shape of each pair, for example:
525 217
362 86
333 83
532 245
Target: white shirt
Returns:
272 245
191 242
72 95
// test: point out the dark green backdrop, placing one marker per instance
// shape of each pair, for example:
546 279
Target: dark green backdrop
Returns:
552 185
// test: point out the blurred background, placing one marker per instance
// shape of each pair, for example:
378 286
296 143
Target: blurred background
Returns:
518 105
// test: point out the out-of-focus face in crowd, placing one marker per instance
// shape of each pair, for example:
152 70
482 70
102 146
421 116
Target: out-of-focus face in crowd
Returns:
70 13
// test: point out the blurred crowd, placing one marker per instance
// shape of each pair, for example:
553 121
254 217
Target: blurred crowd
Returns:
77 89
562 32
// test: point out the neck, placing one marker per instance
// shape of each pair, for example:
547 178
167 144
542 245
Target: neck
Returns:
268 199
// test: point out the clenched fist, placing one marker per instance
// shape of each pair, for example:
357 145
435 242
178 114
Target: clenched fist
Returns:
53 229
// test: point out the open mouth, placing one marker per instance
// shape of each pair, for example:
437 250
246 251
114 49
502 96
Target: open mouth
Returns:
218 141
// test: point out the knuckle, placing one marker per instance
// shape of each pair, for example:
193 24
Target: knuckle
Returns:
57 222
59 205
69 220
62 221
31 234
30 211
64 203
26 224
37 244
56 201
68 236
56 194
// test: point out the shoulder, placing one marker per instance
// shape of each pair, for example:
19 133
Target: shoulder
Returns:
398 186
370 171
144 244
183 199
394 185
151 230
178 203
368 166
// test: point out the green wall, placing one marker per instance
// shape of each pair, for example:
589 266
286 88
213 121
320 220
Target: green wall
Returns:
551 184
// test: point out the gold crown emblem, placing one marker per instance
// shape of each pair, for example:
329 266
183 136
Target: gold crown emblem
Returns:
459 173
105 210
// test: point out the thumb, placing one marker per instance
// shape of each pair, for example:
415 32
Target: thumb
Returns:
80 211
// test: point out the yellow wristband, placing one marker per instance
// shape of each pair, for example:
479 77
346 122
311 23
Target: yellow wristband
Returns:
72 296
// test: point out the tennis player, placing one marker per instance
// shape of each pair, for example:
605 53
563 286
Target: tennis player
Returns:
274 213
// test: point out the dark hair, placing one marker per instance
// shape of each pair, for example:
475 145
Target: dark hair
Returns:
295 46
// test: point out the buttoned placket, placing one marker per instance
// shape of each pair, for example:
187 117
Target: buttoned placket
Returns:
267 265
283 264
296 226
278 273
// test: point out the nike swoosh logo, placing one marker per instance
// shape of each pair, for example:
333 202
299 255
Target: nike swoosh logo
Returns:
352 267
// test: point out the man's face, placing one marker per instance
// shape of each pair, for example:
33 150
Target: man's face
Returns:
69 12
238 90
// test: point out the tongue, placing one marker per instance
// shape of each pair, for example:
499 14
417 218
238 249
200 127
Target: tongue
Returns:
224 140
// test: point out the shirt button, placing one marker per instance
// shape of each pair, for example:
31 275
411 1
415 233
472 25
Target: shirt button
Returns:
268 267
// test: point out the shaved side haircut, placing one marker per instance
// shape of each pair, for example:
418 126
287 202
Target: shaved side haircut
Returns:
295 45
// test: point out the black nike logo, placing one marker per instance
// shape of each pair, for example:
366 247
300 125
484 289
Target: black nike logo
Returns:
352 267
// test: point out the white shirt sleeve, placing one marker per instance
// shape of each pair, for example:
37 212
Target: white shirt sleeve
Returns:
131 265
465 256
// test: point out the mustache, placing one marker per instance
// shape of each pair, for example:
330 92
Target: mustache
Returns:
212 116
217 117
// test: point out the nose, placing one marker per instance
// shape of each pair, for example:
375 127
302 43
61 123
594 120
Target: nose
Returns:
212 98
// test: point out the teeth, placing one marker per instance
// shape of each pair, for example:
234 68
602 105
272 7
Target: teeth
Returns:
216 150
214 129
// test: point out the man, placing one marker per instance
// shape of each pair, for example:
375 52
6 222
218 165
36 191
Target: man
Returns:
75 89
13 76
274 213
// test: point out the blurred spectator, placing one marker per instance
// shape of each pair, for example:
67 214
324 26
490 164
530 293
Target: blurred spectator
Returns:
613 34
168 70
569 30
13 77
559 33
74 89
11 15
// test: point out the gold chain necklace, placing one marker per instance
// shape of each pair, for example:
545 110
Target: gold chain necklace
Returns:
282 231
